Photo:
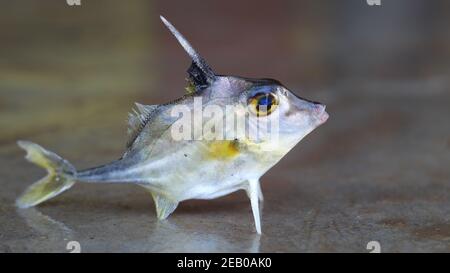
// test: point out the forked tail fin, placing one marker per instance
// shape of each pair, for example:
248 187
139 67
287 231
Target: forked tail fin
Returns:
61 175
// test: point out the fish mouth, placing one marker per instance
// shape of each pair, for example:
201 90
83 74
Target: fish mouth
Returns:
320 114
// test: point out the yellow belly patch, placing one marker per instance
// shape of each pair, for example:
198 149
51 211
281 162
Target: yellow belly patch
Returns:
223 149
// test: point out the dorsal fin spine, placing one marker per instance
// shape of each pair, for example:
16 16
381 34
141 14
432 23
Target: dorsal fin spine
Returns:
196 58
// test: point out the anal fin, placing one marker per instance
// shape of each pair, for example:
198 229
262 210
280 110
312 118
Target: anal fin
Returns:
164 206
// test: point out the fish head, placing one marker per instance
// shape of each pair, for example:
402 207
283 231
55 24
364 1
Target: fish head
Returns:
269 103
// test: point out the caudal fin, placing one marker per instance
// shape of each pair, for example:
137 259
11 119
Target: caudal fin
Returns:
60 177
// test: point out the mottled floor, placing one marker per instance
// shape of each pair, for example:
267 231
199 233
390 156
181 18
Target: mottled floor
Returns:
378 170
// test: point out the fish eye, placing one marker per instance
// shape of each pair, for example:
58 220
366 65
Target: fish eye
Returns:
263 104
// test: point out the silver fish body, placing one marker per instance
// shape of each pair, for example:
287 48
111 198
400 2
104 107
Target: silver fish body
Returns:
204 166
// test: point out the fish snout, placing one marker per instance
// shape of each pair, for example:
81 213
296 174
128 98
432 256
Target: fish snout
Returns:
319 112
314 110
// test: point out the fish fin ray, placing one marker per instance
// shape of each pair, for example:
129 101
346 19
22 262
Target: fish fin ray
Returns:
164 206
138 119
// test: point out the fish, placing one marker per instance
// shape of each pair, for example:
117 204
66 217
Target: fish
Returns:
174 162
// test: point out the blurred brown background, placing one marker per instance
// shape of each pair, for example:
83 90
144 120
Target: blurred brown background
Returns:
378 170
